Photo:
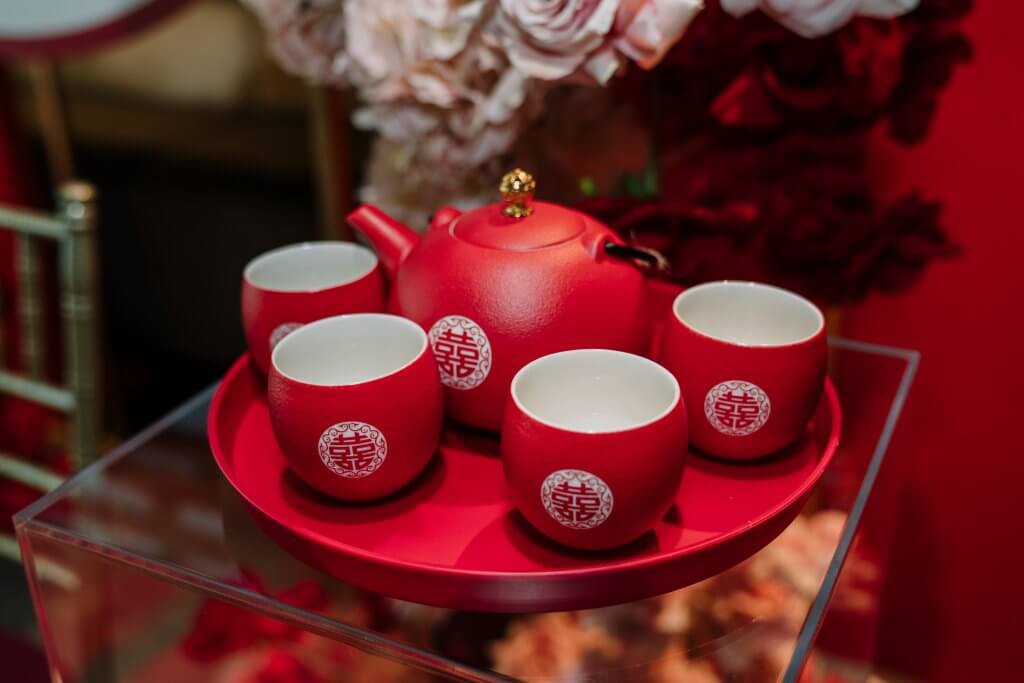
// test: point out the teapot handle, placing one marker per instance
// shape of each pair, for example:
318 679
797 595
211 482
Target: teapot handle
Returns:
650 260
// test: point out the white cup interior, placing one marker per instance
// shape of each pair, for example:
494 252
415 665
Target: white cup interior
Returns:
595 390
349 349
310 266
748 313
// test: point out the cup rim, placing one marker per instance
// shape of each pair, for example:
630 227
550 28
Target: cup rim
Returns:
640 360
753 285
336 319
277 252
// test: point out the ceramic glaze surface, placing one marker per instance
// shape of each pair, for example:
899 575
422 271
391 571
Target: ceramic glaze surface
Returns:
310 266
349 349
752 385
594 390
748 313
593 445
531 286
355 403
549 225
288 287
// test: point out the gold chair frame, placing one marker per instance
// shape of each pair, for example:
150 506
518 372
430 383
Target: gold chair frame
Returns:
73 228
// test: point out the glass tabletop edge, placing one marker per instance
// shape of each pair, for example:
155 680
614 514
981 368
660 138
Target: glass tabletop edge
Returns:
194 581
816 614
119 452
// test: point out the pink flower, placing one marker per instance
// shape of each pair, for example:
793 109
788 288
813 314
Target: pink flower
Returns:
647 29
487 103
814 18
307 37
400 49
443 96
552 39
556 39
428 155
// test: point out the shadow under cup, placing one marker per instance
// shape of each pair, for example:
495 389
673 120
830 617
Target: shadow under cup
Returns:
593 445
750 359
288 287
356 404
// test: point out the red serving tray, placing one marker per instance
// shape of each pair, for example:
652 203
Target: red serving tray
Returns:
452 539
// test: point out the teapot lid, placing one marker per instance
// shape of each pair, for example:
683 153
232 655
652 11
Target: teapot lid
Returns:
518 223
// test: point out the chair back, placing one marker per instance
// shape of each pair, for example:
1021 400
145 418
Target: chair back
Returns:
73 228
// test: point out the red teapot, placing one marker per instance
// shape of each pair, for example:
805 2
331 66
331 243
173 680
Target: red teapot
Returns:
504 284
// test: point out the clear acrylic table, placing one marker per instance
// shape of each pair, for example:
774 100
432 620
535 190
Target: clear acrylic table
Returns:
146 567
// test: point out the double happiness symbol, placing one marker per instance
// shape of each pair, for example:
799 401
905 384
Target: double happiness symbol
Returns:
462 351
353 449
282 331
576 499
737 408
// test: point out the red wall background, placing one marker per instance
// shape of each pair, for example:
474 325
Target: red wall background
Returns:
948 505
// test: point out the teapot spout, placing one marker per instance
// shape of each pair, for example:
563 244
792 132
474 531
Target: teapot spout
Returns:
390 239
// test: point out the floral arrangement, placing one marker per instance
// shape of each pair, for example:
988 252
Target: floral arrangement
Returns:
732 134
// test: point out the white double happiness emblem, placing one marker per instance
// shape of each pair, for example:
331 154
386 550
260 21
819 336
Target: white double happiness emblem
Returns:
462 351
353 449
576 498
737 408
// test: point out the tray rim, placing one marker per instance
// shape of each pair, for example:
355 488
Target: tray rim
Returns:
245 363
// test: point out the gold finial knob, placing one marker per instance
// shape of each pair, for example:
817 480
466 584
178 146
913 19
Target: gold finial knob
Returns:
517 188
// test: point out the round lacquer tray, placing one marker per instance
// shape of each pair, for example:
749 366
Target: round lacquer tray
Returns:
452 539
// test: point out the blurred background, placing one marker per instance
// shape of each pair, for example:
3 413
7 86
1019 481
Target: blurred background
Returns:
203 153
872 165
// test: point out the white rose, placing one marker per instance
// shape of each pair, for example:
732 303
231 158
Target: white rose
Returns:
552 39
647 29
814 18
399 49
306 37
428 155
558 39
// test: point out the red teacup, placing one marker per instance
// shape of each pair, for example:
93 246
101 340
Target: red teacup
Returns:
593 445
750 359
288 287
355 402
